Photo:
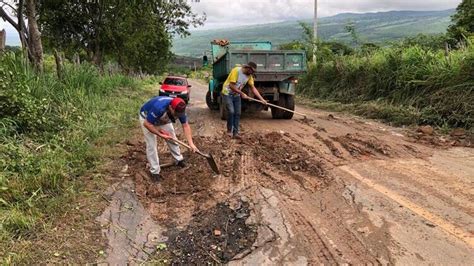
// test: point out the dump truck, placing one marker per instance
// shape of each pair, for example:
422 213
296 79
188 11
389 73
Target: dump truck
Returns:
276 77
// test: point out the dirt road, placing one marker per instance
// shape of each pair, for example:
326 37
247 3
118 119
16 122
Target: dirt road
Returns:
334 189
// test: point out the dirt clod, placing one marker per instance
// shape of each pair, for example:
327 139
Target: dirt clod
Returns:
357 145
427 130
458 132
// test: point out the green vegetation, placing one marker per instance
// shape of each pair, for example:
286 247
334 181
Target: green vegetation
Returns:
376 28
50 135
417 80
136 34
59 120
463 21
404 84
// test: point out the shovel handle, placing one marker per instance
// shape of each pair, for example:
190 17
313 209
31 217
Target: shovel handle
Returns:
179 142
187 146
276 106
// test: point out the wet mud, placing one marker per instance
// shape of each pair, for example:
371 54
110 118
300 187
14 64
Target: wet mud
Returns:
205 221
214 236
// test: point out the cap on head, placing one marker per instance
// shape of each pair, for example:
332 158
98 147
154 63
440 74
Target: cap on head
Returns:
251 65
178 105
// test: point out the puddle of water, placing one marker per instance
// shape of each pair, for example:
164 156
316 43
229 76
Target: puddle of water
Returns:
131 232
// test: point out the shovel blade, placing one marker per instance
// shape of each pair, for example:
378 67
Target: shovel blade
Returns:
212 163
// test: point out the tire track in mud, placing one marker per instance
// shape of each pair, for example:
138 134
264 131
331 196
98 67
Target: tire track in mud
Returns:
317 251
330 145
354 146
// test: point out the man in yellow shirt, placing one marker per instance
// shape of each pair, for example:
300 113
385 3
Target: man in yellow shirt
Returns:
232 95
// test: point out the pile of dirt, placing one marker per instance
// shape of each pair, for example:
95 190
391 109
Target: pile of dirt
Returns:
190 186
214 236
190 203
358 146
181 191
426 135
280 152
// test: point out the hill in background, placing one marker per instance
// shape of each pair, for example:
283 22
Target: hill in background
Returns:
377 27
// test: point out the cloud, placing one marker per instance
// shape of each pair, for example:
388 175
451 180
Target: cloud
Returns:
225 13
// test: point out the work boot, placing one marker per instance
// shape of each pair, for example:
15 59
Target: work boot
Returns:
156 177
181 163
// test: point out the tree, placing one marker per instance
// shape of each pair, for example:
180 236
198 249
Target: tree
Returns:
137 34
308 41
2 39
34 36
30 36
463 21
350 27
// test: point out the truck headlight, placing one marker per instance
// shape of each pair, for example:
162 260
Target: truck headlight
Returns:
161 90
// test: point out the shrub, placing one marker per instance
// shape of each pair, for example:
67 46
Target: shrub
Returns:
48 128
439 87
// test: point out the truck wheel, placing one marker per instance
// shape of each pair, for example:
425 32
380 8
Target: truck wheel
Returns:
223 109
210 104
289 104
276 112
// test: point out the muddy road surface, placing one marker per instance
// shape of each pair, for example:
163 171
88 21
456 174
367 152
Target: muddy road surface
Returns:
327 190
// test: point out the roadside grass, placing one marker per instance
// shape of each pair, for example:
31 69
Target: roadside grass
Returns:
400 116
56 136
401 84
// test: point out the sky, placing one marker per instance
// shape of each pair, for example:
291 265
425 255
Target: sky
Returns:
226 13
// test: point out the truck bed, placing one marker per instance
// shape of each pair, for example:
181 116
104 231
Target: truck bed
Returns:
272 65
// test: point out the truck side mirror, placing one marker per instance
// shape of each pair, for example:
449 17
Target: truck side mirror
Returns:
161 83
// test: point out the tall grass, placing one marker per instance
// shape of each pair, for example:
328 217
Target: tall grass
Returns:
48 128
439 87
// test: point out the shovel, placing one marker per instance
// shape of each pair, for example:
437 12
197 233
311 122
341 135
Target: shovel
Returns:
276 106
210 159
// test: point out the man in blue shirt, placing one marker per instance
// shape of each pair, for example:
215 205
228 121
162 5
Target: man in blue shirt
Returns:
156 118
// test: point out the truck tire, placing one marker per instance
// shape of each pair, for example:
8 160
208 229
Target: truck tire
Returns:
222 109
276 112
286 101
289 104
210 104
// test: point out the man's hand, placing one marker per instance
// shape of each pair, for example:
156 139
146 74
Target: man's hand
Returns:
193 147
165 134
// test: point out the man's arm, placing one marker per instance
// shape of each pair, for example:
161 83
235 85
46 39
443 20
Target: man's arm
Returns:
189 136
234 88
153 130
257 93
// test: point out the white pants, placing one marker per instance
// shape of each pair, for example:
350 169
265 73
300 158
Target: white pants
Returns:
151 149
